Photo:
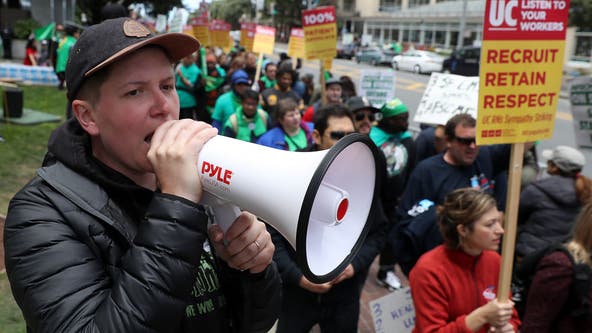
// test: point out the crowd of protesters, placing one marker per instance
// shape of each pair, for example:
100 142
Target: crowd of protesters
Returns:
440 204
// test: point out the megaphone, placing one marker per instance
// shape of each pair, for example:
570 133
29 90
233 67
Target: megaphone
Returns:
319 201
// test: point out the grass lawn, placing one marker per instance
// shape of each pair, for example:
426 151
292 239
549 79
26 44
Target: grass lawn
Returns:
24 147
20 155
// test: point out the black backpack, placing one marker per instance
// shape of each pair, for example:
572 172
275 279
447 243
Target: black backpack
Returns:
524 274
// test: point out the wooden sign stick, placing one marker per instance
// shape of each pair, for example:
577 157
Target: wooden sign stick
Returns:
510 221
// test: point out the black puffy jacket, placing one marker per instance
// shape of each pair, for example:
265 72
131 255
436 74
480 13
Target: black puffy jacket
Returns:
77 262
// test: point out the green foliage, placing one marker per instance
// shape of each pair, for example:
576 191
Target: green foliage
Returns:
231 11
580 14
25 146
23 28
92 8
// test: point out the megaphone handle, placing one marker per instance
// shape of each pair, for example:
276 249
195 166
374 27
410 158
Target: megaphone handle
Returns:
225 211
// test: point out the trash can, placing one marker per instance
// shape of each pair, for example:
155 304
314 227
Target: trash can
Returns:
12 102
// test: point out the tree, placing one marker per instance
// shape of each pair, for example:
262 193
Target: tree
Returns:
230 11
92 8
580 14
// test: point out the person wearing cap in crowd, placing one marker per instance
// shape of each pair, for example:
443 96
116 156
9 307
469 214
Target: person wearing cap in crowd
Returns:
249 122
462 164
187 76
334 305
364 113
391 136
110 236
283 89
230 101
549 206
332 94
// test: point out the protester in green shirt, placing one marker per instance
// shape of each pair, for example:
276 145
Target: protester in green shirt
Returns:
249 122
63 52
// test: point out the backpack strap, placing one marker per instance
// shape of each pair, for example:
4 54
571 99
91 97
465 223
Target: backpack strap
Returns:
579 291
234 123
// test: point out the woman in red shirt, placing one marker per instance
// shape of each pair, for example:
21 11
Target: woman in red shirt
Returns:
454 285
31 53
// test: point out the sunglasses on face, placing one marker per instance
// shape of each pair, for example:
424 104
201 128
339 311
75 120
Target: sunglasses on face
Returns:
465 141
360 116
336 135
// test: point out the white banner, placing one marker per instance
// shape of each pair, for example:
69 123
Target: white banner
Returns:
447 95
393 312
378 86
580 96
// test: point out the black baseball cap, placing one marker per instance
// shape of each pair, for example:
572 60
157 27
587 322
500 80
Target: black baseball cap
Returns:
356 103
103 44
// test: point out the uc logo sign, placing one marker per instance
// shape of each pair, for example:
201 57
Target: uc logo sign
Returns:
501 12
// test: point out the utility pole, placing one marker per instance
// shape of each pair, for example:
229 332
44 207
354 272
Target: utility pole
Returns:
462 26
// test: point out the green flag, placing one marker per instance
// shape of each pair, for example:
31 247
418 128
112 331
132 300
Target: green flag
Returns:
45 32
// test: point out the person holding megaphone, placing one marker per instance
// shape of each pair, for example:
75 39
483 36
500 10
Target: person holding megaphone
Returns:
110 236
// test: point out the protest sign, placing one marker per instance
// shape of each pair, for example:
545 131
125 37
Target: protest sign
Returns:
378 86
161 23
201 30
264 39
521 68
179 19
393 312
320 32
220 34
580 96
447 95
247 35
296 43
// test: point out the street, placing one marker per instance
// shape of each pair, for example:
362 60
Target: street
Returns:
410 87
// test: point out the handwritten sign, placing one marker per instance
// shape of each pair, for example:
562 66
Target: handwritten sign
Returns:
393 312
378 86
247 35
264 39
447 95
580 96
296 43
520 69
320 32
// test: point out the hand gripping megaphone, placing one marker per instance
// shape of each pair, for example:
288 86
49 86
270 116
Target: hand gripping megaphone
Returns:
319 201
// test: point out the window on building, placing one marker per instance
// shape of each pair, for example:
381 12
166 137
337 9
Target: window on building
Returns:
390 5
349 5
417 3
583 51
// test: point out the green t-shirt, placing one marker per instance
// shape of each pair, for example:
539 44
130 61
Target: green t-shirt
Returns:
186 97
297 141
63 52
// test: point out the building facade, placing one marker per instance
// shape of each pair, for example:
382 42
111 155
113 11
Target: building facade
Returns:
429 23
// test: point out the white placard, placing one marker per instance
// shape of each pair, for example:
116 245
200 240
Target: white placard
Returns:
580 96
378 86
393 312
161 22
447 95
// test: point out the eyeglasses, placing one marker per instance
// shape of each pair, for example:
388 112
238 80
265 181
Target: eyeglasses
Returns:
465 141
361 115
336 135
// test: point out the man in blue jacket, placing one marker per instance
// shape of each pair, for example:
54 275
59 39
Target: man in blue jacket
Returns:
110 235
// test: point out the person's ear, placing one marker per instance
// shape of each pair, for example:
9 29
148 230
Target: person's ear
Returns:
83 111
316 137
461 230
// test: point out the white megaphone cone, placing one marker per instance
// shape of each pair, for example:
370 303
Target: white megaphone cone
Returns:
319 201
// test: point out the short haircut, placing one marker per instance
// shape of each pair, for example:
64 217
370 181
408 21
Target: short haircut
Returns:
271 63
464 119
250 94
322 115
285 105
462 206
